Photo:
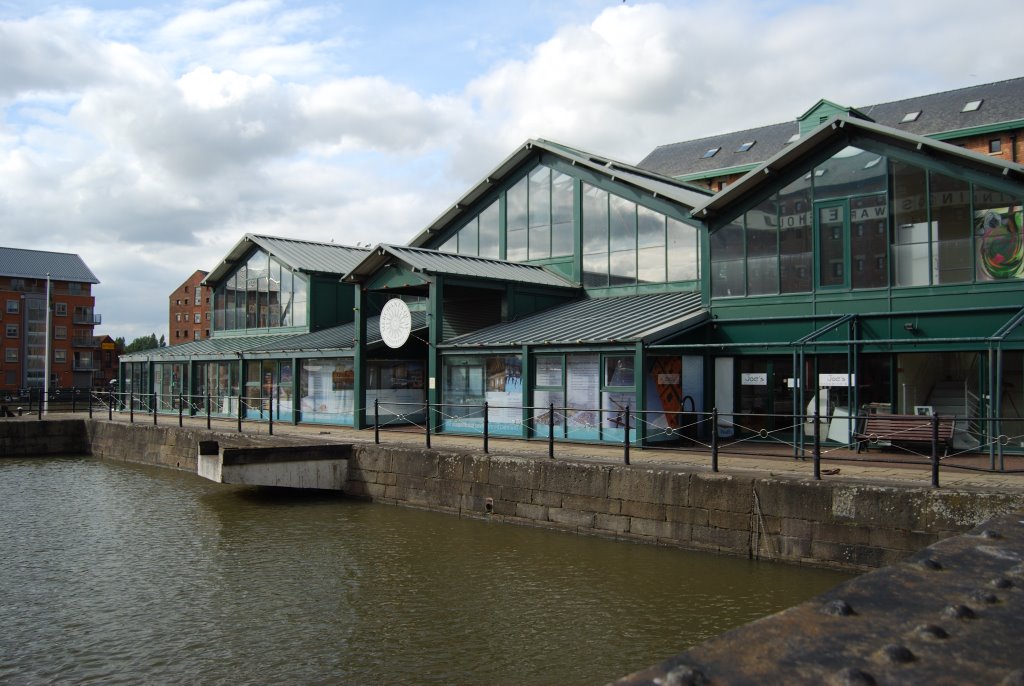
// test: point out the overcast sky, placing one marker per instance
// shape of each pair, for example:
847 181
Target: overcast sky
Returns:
149 137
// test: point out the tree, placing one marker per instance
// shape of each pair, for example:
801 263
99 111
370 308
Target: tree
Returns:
142 343
163 343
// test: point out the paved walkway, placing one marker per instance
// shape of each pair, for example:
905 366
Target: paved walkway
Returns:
749 457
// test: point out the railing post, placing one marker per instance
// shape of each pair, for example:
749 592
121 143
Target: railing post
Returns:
239 413
270 425
208 410
714 439
181 411
817 443
935 451
485 427
110 407
131 408
625 440
90 403
376 421
428 424
42 401
551 431
74 400
153 407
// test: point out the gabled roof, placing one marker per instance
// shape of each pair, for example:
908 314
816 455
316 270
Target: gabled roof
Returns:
844 129
435 262
941 117
624 319
36 264
310 257
637 177
341 337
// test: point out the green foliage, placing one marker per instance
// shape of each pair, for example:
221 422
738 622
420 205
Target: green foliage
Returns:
144 343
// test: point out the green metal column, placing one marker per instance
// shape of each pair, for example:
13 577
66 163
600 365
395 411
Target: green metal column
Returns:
359 360
434 337
639 420
296 400
527 378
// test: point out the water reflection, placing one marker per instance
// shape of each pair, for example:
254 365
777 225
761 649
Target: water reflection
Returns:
124 574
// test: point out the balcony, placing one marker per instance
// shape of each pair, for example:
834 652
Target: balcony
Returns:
85 366
83 342
87 318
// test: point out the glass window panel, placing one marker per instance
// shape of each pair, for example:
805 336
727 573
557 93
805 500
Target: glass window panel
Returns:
275 293
650 228
561 198
540 196
951 216
683 251
299 300
762 248
240 297
468 238
561 240
583 383
912 232
727 273
595 220
618 371
849 172
489 231
831 246
595 270
287 300
540 242
651 265
622 267
450 245
795 248
622 226
869 241
515 248
515 205
218 309
998 235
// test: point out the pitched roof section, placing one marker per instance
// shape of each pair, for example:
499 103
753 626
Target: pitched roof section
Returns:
941 117
36 264
845 128
643 179
310 257
435 262
337 338
625 319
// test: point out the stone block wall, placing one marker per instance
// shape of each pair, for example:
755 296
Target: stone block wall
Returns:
29 437
843 525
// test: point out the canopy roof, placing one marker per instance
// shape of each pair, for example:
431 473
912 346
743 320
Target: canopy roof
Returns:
310 257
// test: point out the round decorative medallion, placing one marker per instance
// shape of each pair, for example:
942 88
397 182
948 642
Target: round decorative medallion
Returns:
395 323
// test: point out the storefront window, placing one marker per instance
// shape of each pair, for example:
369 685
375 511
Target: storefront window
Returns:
998 235
399 389
326 394
912 233
471 381
762 248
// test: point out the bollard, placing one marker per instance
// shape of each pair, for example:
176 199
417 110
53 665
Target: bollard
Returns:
551 431
485 427
376 421
817 444
935 451
714 439
428 424
625 440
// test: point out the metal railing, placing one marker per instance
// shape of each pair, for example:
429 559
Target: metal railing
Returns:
713 434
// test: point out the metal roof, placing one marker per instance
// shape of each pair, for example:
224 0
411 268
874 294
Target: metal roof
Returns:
644 179
845 127
1002 102
311 257
210 347
340 337
623 319
435 262
36 264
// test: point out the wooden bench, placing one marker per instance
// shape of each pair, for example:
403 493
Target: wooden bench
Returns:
903 429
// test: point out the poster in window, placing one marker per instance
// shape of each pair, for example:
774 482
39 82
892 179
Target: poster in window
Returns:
1000 243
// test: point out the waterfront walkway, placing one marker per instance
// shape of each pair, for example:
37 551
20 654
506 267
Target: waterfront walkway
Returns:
773 459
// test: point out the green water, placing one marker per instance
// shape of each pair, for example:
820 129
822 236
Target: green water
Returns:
114 573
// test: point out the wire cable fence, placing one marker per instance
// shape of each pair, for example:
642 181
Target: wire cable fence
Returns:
934 441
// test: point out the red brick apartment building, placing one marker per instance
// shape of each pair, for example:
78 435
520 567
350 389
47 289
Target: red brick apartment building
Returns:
73 347
189 307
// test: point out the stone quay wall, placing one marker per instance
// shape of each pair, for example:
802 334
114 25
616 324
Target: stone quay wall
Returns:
850 526
835 523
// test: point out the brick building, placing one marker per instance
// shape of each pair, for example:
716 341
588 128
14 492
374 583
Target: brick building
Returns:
189 311
23 277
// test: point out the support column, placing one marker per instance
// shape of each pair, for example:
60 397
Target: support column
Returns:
359 360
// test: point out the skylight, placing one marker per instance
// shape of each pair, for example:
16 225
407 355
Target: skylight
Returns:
793 139
872 163
710 153
910 116
746 146
972 106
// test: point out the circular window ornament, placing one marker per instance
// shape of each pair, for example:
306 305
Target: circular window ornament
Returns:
395 323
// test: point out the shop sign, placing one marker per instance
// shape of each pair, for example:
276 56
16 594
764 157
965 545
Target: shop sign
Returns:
754 379
835 380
